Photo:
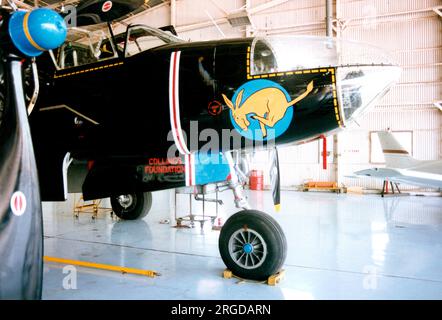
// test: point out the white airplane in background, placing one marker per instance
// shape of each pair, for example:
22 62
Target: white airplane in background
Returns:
402 168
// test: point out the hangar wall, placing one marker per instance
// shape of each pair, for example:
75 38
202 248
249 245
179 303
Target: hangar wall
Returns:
411 30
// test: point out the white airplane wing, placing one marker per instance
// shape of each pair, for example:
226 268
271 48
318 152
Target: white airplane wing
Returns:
402 168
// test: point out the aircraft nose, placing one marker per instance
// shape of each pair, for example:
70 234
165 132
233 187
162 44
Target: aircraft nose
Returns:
365 73
360 87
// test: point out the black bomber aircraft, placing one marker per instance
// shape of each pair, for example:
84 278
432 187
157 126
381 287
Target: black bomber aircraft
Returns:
141 110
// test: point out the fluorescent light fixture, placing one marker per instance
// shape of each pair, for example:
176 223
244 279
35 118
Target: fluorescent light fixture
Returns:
239 19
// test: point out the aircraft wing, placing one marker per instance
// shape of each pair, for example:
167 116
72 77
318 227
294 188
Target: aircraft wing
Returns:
431 166
411 177
384 173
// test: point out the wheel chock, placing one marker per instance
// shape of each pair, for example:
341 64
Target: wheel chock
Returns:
227 274
273 280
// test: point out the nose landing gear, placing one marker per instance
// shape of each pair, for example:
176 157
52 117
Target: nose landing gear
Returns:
251 243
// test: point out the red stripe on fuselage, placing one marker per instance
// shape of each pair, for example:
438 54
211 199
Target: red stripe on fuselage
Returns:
175 120
190 170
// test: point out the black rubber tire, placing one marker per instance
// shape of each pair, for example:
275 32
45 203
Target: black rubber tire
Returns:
269 230
142 202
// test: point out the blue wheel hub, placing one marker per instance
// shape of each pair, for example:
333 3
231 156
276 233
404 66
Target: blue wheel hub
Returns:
248 248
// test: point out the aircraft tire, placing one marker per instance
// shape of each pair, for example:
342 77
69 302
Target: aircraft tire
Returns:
132 206
252 245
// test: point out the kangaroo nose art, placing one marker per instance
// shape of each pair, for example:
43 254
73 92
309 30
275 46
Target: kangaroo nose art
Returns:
262 109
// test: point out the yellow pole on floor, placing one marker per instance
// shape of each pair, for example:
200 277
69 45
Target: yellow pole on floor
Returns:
108 267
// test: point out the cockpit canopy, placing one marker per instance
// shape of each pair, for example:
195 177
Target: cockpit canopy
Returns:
95 43
290 53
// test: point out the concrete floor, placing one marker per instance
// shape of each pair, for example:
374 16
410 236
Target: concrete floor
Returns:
339 247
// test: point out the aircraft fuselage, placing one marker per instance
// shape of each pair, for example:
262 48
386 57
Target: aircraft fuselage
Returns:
122 114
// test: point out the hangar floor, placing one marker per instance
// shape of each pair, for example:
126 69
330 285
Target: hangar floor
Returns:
340 247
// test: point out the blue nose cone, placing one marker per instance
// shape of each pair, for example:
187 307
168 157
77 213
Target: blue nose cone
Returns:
36 31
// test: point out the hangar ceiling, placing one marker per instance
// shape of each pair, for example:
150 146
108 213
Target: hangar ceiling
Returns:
83 4
57 3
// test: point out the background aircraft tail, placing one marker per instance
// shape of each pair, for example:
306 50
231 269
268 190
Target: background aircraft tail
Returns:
395 155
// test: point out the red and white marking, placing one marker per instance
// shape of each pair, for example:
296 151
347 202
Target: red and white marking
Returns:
18 203
106 6
189 167
174 103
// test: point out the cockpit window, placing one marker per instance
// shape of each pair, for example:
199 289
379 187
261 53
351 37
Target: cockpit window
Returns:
73 55
285 53
263 58
289 53
94 43
141 38
85 47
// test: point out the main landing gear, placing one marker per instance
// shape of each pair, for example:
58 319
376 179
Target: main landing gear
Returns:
252 244
132 206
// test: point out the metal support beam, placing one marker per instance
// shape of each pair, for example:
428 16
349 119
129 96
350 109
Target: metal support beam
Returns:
438 10
219 21
266 6
219 7
200 25
249 29
173 12
329 18
338 29
215 24
142 13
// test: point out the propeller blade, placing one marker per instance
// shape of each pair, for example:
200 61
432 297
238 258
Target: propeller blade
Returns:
21 234
275 180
